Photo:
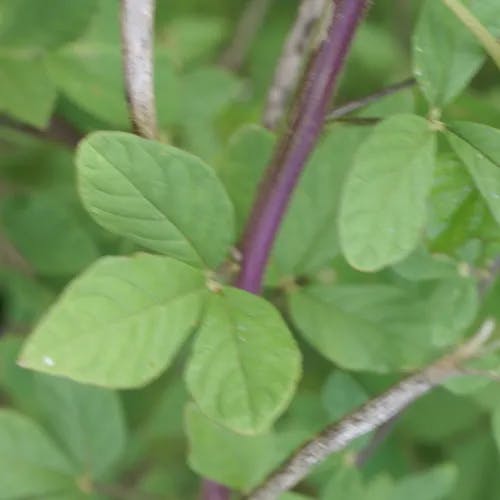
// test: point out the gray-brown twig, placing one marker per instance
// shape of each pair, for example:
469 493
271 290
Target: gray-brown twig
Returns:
370 416
295 51
137 45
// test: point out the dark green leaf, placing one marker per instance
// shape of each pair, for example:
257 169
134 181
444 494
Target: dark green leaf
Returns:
49 234
87 422
30 463
239 462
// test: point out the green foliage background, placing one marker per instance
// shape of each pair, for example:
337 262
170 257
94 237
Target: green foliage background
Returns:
383 273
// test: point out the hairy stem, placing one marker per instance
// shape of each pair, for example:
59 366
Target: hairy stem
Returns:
137 19
295 147
370 416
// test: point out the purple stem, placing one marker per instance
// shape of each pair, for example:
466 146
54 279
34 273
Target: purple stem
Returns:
290 158
211 490
295 147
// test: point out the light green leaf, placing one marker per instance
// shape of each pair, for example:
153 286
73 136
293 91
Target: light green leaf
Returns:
47 24
158 196
240 462
87 422
30 463
435 484
341 394
308 238
364 327
478 146
383 206
120 323
245 364
49 234
445 55
241 166
26 93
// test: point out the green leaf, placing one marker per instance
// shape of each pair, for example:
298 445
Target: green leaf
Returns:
246 156
364 327
473 24
478 147
380 488
240 462
452 188
423 266
15 382
26 93
452 307
74 414
30 463
435 484
495 423
439 417
245 364
293 496
120 323
308 238
347 480
188 39
445 55
158 196
49 234
383 206
26 298
341 394
205 93
47 24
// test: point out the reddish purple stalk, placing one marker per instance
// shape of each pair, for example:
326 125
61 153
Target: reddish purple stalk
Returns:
294 149
290 158
214 491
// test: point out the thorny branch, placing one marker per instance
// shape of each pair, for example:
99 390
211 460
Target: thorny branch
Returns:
137 19
295 51
370 416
